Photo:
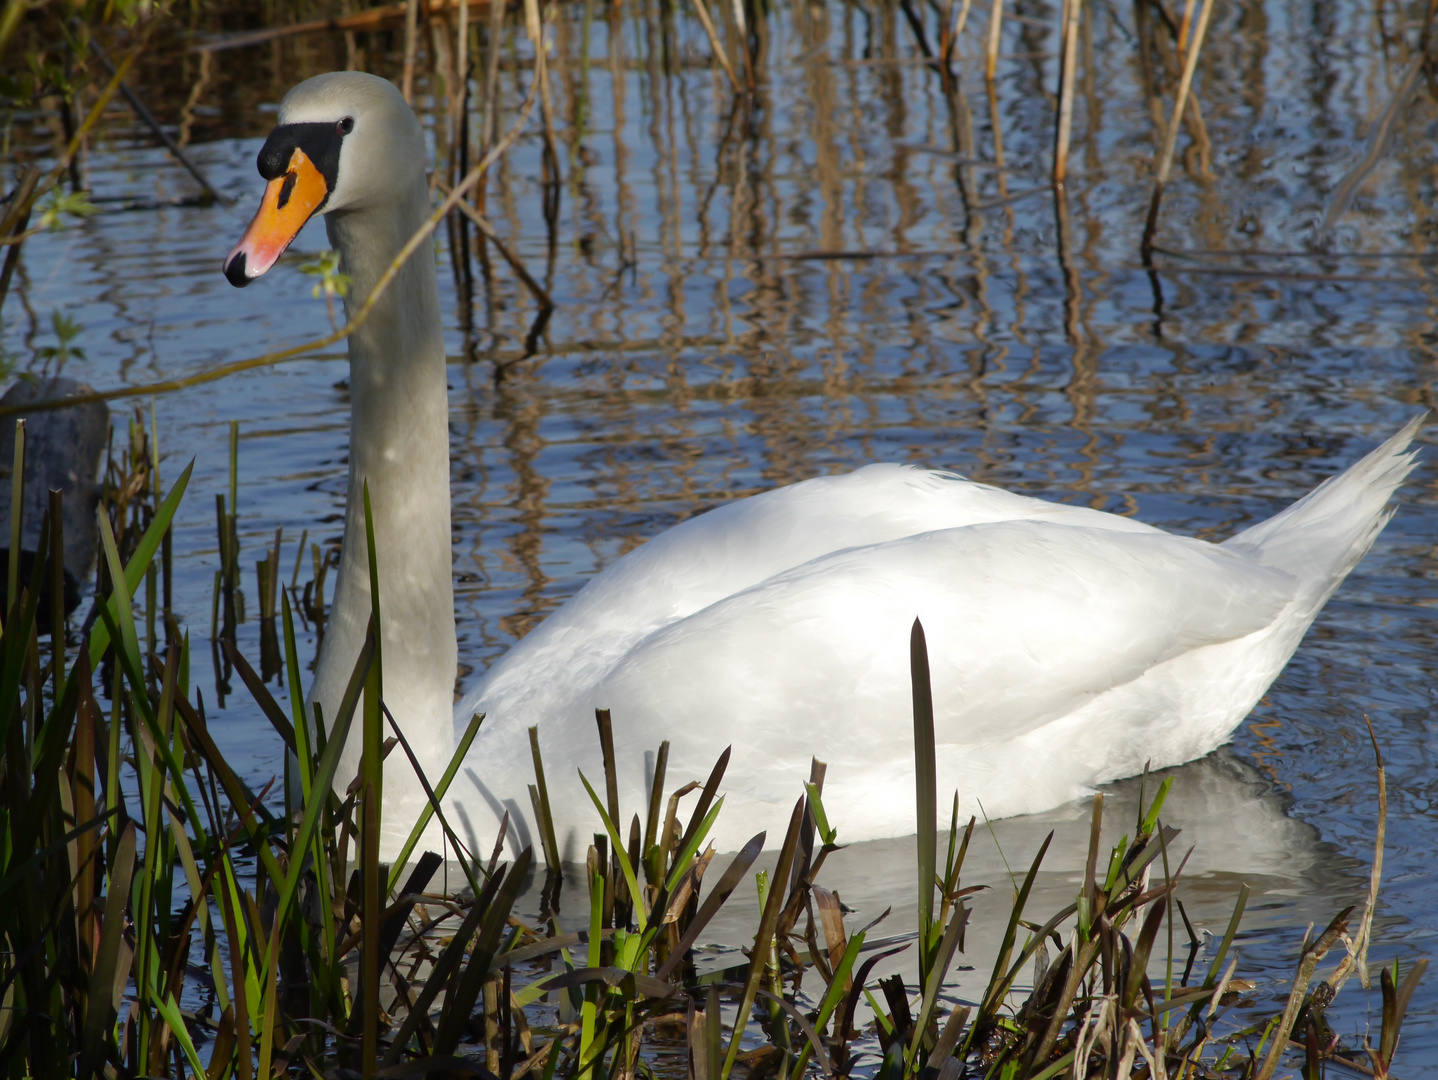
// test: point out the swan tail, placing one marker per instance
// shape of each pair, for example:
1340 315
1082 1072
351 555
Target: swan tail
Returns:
1321 537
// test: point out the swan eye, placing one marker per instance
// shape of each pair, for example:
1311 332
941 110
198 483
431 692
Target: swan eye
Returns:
345 126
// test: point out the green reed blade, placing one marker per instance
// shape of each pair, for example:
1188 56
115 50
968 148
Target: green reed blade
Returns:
434 798
549 843
328 766
690 847
304 751
17 514
943 956
728 881
616 842
457 1010
763 940
169 1011
140 561
925 793
269 1001
99 1007
999 982
700 817
827 835
832 996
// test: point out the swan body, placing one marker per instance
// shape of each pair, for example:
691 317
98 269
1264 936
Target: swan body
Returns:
1067 646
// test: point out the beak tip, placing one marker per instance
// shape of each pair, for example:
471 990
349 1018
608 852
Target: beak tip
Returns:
235 270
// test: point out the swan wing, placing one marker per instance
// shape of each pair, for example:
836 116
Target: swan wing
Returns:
740 544
1026 621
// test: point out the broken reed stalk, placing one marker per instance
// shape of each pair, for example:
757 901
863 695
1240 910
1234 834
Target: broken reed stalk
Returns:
361 315
991 53
411 35
1170 138
534 25
720 53
956 30
1311 958
1069 50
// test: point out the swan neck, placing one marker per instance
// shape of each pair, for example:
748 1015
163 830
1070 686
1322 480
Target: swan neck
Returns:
399 450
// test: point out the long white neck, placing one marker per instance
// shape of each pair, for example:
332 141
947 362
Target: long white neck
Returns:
399 446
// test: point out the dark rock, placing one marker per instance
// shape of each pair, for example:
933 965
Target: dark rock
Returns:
63 449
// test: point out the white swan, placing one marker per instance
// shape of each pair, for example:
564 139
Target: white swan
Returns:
1068 646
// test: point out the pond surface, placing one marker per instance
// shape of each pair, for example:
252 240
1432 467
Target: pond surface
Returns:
841 272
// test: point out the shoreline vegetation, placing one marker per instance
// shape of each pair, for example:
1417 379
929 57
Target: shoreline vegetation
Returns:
160 918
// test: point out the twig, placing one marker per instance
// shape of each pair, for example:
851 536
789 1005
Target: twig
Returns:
1170 138
14 222
360 316
719 54
956 31
19 212
369 19
484 225
1377 143
1357 958
154 125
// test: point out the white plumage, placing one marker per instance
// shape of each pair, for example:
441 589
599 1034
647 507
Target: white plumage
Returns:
1067 646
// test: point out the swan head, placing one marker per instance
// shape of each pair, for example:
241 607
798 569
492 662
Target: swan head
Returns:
345 141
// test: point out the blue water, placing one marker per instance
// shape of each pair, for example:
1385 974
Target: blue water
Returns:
697 355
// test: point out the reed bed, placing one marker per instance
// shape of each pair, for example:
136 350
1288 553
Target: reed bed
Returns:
141 877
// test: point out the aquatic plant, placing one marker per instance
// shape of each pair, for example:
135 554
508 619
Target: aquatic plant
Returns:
159 917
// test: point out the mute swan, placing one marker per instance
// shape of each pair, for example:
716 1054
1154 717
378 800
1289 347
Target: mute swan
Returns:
1068 647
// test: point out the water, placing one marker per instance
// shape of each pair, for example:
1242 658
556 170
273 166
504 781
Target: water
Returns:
700 353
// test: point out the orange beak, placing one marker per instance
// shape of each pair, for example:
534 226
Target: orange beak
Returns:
289 201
